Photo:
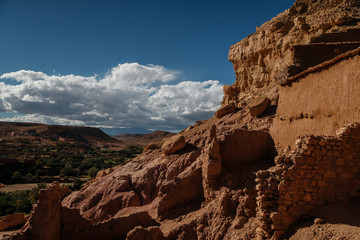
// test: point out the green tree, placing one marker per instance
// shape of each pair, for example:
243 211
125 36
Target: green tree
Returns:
16 175
77 185
34 193
92 172
29 176
67 170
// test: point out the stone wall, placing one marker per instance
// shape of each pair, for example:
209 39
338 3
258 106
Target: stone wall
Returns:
305 109
321 170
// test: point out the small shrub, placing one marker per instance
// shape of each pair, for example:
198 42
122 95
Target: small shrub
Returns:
29 176
77 185
16 175
92 172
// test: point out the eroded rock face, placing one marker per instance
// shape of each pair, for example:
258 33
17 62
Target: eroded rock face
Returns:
173 144
45 222
226 109
258 106
150 233
217 179
266 57
188 194
12 220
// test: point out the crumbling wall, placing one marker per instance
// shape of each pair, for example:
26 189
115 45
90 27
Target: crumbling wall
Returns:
320 170
319 103
305 58
240 147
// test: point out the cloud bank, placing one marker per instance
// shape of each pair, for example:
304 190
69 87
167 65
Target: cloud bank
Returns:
130 95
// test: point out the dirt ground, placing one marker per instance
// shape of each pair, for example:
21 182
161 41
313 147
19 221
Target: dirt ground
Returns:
18 187
341 222
22 187
5 233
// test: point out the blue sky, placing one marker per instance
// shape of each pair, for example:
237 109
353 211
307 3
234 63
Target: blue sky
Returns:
183 43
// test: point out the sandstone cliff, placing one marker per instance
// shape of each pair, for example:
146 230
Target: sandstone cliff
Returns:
265 58
226 177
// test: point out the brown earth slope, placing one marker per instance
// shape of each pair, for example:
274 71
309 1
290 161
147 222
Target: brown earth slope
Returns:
53 133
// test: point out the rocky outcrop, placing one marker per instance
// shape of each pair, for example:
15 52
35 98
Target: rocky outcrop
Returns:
258 106
47 213
271 54
226 177
192 193
103 173
150 233
12 220
226 109
173 144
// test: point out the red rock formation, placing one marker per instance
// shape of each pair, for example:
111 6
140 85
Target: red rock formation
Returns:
266 57
12 220
217 179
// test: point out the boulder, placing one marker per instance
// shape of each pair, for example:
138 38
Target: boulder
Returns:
150 233
151 146
173 144
224 110
103 173
258 106
12 220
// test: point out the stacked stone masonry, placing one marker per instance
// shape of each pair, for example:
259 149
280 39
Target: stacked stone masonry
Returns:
321 170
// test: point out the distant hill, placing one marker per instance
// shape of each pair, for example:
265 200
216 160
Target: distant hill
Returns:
53 133
77 135
144 139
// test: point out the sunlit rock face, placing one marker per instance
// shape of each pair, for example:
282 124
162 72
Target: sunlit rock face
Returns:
266 58
226 177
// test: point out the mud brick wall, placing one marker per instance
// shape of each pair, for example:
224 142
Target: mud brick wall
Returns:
304 56
319 171
305 109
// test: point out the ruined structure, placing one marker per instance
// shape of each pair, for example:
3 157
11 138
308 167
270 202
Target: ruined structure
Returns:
320 100
267 160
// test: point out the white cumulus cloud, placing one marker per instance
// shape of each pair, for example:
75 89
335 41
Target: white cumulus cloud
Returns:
130 95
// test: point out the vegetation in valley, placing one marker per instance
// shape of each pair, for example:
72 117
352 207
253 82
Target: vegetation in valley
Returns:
62 163
19 201
67 165
36 153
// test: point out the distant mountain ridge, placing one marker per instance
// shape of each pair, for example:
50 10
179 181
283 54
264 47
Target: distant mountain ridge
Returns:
76 134
88 135
144 139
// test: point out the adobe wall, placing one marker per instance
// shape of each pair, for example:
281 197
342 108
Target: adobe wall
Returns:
305 58
319 103
320 170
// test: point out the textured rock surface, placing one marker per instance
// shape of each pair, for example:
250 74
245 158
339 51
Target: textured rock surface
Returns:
267 57
189 194
225 110
258 106
12 220
319 171
224 178
173 144
150 233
